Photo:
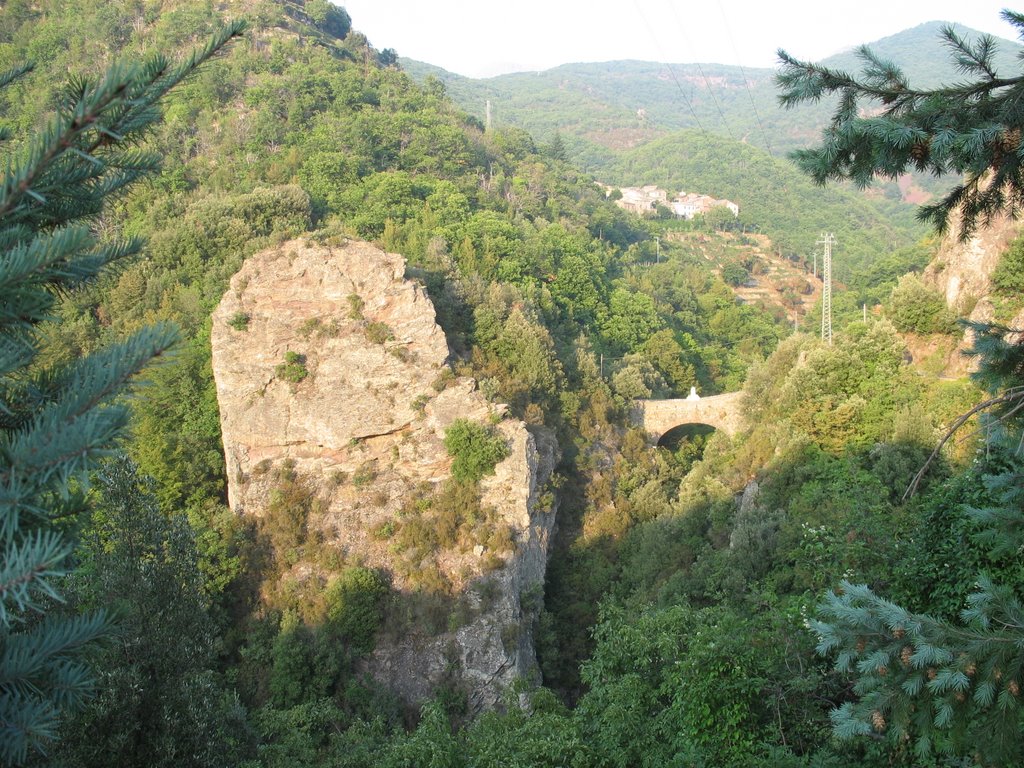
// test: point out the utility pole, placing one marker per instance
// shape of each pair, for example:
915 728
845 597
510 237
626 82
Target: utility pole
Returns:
828 240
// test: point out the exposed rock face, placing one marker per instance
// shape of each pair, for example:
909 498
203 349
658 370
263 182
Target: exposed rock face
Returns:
365 427
962 272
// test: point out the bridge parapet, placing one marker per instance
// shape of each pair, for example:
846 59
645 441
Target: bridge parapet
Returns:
719 411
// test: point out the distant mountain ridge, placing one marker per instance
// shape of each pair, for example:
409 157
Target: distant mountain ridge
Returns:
924 57
605 107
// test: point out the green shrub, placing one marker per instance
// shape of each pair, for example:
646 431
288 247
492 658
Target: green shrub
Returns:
417 539
456 513
1008 276
291 502
293 369
314 326
365 474
355 601
378 333
355 306
913 306
239 321
475 448
735 274
446 377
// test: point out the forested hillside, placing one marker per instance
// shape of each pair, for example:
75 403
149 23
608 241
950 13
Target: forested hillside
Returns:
774 198
597 107
603 110
682 577
598 104
703 130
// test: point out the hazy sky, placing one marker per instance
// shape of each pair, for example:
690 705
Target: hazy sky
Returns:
480 38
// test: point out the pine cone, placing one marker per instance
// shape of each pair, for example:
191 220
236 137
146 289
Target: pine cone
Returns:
898 633
860 645
920 151
932 673
905 655
970 669
878 721
960 697
882 670
1013 688
1005 145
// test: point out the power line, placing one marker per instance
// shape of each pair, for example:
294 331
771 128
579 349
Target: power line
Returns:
654 37
707 83
746 83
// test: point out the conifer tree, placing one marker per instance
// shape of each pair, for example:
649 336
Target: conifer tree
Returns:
934 685
56 422
971 129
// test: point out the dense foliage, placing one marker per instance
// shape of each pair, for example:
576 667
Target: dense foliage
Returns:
924 680
60 417
681 578
913 306
475 450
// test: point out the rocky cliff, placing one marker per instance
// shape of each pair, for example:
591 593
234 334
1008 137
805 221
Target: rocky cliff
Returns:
962 270
332 371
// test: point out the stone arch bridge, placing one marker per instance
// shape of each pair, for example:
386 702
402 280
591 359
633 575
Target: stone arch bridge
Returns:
719 411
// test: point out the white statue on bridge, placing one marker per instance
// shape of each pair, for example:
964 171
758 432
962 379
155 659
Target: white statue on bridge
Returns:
693 394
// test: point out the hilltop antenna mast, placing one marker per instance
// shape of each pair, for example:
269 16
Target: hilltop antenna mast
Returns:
828 240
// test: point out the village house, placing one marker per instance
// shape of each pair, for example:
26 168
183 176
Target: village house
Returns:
644 201
686 206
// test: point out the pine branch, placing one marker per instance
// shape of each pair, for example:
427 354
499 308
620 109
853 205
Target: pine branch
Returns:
15 73
1014 395
29 656
25 722
65 436
29 566
968 128
117 109
55 423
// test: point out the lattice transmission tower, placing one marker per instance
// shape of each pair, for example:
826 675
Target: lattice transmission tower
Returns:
827 240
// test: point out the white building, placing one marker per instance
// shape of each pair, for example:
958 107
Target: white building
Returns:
644 201
686 206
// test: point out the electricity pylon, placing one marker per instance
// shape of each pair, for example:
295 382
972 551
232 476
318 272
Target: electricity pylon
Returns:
828 240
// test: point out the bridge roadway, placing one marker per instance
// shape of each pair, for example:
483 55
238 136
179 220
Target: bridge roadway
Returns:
719 411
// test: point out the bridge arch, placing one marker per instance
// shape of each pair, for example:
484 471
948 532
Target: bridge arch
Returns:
673 437
658 417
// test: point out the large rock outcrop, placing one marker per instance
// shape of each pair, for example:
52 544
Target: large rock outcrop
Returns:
329 362
962 272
